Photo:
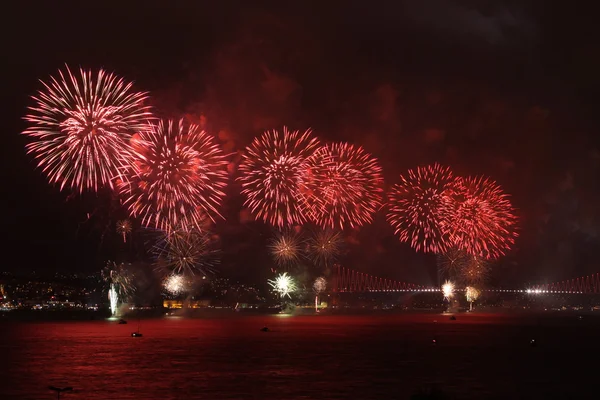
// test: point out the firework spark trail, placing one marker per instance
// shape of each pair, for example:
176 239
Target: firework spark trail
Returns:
273 170
286 248
418 209
120 284
177 177
325 246
344 185
483 221
81 127
113 298
186 252
124 228
283 285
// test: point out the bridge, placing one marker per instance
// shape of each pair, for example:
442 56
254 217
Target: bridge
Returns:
346 280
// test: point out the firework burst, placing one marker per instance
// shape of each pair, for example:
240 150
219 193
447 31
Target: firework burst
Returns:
475 271
452 261
124 228
283 285
320 285
119 276
177 177
344 184
176 284
186 252
472 294
418 207
286 248
448 290
120 284
81 126
273 169
325 246
483 221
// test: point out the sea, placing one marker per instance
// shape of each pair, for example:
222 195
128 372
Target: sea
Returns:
383 356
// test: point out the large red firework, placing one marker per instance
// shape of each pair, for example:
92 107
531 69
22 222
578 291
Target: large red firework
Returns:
483 220
273 169
82 125
177 177
344 186
418 209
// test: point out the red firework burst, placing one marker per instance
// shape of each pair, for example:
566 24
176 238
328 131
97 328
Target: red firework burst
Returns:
177 177
273 169
344 186
418 209
483 220
82 125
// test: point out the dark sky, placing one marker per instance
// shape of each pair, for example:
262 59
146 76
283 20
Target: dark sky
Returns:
506 89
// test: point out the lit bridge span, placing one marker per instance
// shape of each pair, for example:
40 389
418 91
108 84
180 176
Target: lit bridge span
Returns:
347 280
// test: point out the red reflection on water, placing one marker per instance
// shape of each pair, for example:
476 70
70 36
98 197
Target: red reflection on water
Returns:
356 357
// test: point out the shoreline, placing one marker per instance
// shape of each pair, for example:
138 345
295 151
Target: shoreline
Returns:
212 313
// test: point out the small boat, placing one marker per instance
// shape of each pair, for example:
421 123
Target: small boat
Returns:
122 322
137 333
60 390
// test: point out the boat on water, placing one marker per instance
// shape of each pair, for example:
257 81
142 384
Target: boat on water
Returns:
137 333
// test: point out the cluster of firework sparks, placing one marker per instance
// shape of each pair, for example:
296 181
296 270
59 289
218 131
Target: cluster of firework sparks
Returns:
322 247
93 131
120 284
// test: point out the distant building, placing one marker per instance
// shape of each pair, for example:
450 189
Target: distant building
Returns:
186 303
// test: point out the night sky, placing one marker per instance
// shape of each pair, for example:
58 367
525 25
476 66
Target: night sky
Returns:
504 89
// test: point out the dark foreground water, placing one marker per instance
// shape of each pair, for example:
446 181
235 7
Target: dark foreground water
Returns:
328 357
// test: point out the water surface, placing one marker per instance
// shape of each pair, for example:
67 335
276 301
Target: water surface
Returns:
329 357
